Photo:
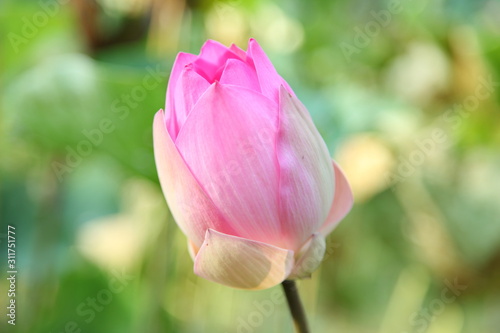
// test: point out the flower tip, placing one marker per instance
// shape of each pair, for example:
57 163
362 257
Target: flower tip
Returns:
215 87
252 42
160 113
284 93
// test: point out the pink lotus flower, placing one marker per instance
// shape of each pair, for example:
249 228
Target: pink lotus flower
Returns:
246 174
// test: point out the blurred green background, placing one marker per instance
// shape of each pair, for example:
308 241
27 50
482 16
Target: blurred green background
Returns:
405 93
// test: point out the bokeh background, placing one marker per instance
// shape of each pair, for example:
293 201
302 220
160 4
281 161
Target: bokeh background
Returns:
405 93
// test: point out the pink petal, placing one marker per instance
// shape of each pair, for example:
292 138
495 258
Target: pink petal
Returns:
309 257
306 173
180 62
239 52
269 79
241 263
211 60
192 209
241 74
190 86
342 201
228 143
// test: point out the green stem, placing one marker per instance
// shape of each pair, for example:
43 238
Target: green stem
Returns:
295 305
